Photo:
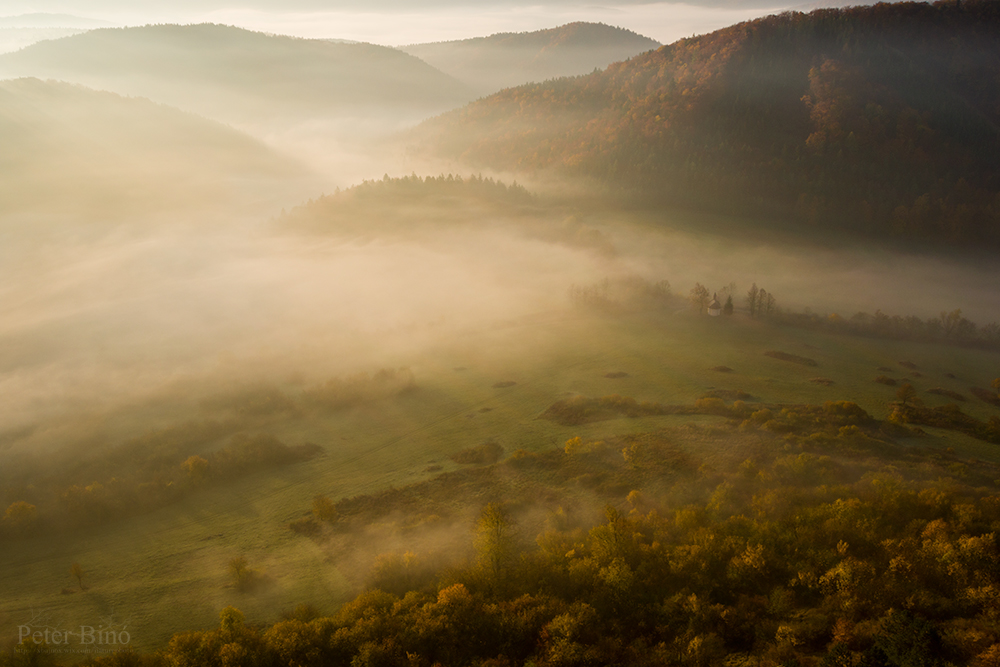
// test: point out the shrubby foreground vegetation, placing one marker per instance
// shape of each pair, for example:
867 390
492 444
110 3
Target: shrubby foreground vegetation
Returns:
801 535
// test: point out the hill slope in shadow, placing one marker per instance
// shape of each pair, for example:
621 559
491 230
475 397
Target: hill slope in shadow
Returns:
884 119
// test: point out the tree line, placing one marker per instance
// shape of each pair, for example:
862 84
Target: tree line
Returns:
406 199
949 327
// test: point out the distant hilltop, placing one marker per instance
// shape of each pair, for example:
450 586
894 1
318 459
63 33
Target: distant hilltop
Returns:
233 74
509 59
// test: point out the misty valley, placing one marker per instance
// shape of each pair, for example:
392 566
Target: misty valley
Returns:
560 347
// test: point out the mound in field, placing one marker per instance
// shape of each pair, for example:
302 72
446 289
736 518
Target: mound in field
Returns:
728 394
721 369
990 397
794 358
482 454
947 392
582 410
826 382
882 379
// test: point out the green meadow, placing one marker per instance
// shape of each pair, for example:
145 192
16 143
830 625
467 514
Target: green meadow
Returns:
165 571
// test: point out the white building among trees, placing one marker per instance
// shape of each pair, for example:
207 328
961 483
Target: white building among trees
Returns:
715 308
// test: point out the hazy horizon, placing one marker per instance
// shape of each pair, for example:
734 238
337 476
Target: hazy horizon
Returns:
392 25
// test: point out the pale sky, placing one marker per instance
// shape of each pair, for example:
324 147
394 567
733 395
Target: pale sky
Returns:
393 22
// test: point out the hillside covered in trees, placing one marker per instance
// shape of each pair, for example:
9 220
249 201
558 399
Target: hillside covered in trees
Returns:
415 207
488 64
407 204
881 118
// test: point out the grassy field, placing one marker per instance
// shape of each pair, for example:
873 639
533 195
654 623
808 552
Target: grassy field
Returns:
166 571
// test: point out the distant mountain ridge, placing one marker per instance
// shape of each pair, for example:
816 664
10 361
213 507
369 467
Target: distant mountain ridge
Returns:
48 20
883 118
510 59
13 39
17 32
235 74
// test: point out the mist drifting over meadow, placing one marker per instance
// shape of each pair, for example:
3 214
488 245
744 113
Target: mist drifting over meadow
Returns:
268 293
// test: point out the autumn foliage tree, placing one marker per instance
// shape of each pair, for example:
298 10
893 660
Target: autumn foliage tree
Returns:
324 509
760 303
906 394
196 467
495 542
753 299
20 516
244 578
77 573
699 297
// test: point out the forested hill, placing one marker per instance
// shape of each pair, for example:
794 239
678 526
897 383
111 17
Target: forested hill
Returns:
510 59
230 73
882 118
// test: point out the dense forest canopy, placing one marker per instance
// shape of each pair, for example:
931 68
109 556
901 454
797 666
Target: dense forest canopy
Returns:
880 118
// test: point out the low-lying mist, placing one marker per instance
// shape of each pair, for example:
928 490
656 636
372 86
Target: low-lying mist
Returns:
138 313
269 356
826 274
145 264
182 375
149 314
